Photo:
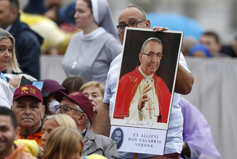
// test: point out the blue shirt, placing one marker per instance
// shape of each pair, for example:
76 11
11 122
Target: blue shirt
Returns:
3 77
174 140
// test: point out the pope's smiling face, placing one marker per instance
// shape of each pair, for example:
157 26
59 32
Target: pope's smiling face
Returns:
149 65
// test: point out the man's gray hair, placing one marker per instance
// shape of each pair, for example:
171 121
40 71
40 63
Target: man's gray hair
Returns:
87 124
154 39
138 7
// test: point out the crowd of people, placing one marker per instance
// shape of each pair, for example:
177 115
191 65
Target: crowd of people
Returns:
71 120
208 46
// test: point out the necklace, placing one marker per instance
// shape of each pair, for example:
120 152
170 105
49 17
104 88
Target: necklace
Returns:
80 52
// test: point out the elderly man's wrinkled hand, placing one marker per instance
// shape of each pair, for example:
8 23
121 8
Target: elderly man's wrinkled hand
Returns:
158 29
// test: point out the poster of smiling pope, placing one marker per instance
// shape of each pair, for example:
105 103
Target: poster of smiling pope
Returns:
147 78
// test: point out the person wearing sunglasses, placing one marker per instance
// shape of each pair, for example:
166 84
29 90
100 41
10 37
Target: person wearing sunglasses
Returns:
90 52
80 109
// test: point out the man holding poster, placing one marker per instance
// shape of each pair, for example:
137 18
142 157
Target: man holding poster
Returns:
135 16
142 95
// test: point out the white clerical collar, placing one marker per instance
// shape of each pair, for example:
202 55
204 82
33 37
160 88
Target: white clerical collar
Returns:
144 75
94 34
8 28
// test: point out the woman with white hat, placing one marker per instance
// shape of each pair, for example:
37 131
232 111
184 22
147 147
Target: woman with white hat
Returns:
91 51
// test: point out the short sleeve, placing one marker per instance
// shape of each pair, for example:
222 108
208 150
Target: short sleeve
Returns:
183 63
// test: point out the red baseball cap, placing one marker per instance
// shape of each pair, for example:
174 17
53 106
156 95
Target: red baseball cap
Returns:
50 86
80 99
28 90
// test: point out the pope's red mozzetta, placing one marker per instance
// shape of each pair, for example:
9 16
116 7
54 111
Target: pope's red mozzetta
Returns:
127 87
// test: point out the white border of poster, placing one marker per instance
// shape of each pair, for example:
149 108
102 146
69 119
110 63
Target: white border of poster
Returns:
170 41
137 140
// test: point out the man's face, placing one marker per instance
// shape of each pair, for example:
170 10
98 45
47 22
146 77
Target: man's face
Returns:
149 65
5 14
117 136
132 14
29 112
211 44
7 134
72 113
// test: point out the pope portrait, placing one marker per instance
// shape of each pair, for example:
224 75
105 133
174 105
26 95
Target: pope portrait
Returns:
141 94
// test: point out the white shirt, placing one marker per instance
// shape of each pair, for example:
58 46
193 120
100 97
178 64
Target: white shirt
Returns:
6 94
174 140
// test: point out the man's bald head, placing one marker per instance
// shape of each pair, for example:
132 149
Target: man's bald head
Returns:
139 8
133 13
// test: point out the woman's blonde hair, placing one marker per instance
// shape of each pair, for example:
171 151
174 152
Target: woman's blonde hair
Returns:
93 84
13 65
62 142
63 120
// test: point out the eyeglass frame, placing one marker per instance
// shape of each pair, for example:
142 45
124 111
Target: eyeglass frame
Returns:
127 25
152 56
61 107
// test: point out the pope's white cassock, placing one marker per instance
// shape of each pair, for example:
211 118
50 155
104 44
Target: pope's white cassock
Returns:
150 111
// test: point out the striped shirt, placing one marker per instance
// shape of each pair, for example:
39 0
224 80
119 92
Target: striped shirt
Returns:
174 140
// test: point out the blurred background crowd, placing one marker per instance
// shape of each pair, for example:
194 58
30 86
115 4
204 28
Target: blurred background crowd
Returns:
212 15
210 35
192 17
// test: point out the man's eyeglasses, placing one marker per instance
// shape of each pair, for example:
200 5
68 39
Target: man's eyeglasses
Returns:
152 55
64 108
121 27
